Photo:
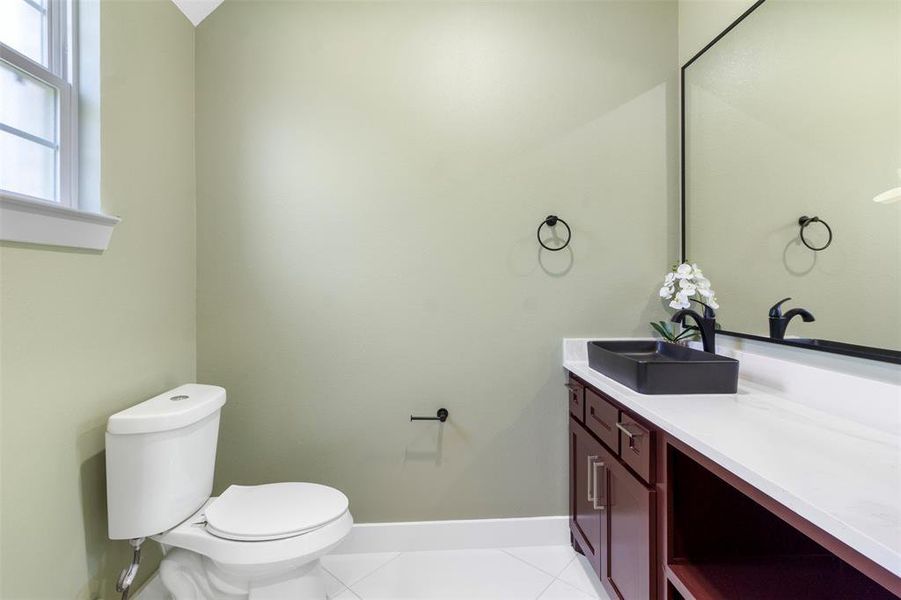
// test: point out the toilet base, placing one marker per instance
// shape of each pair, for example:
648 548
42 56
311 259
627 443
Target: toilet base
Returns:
187 575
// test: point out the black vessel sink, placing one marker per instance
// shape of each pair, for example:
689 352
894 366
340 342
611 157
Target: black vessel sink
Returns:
651 367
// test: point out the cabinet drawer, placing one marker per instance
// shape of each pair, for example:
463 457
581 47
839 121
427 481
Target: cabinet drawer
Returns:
576 399
601 418
636 446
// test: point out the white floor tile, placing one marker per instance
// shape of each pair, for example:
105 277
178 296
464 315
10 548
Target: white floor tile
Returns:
333 587
345 595
457 574
579 574
550 559
351 568
559 590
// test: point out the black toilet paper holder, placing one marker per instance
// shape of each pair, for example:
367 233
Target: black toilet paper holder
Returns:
441 415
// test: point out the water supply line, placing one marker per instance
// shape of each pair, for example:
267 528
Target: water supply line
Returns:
127 576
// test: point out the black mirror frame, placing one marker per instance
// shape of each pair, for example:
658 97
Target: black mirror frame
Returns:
867 352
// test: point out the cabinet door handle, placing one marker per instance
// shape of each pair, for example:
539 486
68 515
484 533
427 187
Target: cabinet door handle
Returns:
628 433
592 491
597 498
589 478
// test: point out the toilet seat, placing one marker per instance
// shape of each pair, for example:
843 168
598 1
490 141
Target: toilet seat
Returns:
273 511
193 535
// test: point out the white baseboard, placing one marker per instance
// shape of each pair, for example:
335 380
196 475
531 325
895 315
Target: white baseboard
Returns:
432 535
455 535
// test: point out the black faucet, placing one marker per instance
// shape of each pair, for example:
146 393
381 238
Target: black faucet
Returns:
779 322
706 324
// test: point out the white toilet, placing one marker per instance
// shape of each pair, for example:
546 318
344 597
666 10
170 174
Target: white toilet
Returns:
257 542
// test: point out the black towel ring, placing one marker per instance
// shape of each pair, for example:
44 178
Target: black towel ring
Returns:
804 222
551 221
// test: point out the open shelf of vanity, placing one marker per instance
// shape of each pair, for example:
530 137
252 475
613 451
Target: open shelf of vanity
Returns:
723 544
658 520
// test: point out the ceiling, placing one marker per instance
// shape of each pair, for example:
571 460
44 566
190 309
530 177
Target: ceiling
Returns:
197 10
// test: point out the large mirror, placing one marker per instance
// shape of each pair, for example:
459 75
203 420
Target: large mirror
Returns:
795 112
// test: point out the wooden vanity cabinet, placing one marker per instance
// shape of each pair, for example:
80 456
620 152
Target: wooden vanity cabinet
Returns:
612 508
659 521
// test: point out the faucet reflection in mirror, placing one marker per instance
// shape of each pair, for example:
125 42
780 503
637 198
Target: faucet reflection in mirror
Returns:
779 321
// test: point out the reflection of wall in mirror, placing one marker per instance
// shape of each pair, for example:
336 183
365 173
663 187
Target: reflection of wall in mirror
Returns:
795 112
702 20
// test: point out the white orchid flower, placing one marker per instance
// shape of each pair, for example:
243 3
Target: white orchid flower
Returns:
683 271
692 283
681 300
687 289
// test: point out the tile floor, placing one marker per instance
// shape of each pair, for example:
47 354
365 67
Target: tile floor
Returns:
527 573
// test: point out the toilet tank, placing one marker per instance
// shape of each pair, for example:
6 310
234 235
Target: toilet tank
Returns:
160 457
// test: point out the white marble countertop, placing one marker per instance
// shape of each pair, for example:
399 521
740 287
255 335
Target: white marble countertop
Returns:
842 475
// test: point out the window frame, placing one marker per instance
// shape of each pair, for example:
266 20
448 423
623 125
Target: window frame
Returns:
68 220
62 75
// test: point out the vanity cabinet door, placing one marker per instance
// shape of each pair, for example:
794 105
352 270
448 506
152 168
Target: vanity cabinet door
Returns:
627 570
587 477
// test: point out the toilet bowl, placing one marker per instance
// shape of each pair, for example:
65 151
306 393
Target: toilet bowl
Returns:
259 542
255 542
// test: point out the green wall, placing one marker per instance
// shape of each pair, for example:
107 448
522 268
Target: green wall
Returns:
370 177
86 334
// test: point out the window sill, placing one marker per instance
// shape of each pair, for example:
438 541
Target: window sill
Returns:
35 222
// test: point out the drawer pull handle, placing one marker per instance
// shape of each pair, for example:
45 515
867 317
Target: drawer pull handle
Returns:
629 434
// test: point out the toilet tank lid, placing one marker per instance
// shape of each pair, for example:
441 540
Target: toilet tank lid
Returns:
176 408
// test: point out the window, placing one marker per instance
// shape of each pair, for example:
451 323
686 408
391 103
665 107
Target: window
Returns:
39 127
38 113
